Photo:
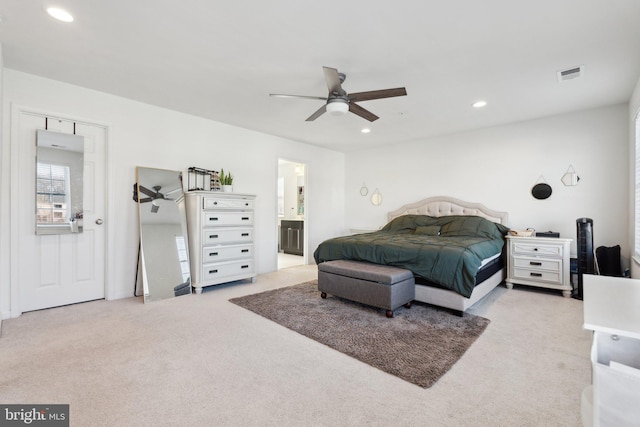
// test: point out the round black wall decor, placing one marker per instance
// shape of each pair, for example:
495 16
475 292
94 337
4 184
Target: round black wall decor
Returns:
541 191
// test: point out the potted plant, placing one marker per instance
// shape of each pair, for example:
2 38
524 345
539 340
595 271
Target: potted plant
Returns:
226 181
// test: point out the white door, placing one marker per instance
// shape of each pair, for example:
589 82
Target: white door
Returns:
60 269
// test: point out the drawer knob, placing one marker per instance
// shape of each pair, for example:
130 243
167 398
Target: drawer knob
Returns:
213 253
213 236
213 271
244 251
215 218
536 274
535 263
245 234
245 218
535 249
245 266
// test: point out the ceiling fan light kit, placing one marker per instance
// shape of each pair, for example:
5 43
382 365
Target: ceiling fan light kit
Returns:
337 107
338 101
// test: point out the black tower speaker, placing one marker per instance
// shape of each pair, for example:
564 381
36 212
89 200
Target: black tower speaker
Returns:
586 263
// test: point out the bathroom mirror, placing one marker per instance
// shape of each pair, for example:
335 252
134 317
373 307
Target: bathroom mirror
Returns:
164 256
59 182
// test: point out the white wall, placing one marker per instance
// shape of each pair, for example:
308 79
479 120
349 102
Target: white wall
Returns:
4 206
634 109
143 135
498 166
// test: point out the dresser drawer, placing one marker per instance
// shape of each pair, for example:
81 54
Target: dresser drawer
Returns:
227 235
213 272
536 249
537 275
219 203
538 263
214 219
223 253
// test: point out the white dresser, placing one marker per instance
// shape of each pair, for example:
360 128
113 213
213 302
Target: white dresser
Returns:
221 237
539 261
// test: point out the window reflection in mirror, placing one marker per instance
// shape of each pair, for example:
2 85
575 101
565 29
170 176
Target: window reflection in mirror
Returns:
59 182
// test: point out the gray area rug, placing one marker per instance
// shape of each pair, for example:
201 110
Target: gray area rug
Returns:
419 344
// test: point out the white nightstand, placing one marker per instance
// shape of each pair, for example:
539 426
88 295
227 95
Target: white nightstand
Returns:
539 261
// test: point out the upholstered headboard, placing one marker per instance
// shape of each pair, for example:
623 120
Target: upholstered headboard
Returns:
445 206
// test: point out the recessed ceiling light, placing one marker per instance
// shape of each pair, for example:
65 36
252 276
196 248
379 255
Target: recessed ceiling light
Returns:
59 14
365 130
479 104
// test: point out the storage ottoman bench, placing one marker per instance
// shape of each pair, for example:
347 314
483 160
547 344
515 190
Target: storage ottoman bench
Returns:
377 285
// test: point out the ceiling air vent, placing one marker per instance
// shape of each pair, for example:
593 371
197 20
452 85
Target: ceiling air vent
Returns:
570 73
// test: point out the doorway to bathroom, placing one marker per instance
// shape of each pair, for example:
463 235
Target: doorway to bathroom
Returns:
291 214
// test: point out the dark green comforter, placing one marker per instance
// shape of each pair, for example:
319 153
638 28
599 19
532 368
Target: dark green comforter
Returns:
445 250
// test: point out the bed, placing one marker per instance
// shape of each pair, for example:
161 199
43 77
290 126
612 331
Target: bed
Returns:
454 248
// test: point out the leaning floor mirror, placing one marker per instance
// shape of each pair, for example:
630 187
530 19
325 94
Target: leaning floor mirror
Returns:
164 257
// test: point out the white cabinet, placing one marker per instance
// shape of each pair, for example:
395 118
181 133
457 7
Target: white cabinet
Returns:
539 261
611 312
221 237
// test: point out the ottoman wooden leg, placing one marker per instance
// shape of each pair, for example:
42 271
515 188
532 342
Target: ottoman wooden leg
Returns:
389 313
323 294
408 305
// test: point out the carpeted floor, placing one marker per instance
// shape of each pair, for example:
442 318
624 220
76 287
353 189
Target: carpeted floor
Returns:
200 360
419 344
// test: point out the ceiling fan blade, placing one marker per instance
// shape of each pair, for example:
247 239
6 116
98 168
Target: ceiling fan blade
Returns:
148 192
359 111
333 81
317 114
281 95
377 94
146 199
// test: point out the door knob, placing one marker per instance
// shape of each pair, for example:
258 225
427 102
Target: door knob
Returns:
99 221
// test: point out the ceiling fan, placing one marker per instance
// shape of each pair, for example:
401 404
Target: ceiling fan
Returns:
153 195
339 101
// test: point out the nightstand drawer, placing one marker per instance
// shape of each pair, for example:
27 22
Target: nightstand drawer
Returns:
537 275
534 249
538 263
